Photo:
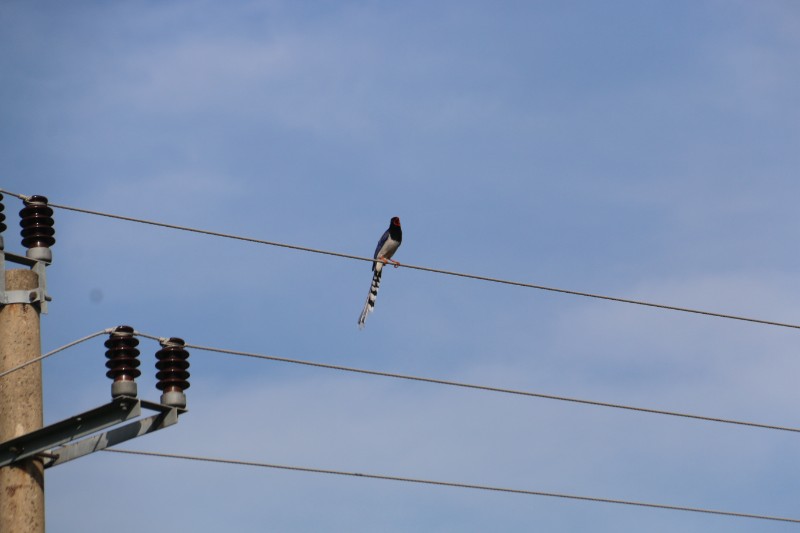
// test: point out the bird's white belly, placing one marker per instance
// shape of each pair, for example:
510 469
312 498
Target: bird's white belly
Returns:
389 248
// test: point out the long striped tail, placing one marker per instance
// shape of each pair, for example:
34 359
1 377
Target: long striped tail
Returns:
373 294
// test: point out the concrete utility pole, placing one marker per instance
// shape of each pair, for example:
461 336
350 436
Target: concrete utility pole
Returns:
23 439
21 484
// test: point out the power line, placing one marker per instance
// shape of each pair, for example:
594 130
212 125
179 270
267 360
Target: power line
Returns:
458 485
435 381
481 387
422 268
53 352
440 382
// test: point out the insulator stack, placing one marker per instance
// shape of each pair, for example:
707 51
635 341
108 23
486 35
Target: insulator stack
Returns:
37 228
122 361
2 222
172 375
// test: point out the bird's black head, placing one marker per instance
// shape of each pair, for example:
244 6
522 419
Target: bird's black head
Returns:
395 231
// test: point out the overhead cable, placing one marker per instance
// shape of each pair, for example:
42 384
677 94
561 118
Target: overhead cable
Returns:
422 268
481 387
457 485
53 352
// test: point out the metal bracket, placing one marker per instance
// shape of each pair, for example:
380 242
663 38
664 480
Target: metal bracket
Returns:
96 443
38 295
51 441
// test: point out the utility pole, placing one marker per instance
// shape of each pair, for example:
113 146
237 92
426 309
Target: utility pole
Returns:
23 299
26 447
21 484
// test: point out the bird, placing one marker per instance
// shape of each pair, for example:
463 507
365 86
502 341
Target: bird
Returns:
387 246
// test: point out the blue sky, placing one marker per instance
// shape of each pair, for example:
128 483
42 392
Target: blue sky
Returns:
640 149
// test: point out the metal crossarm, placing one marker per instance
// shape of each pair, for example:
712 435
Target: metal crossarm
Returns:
46 441
113 437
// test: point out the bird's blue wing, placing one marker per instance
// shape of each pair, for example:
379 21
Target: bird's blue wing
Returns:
384 238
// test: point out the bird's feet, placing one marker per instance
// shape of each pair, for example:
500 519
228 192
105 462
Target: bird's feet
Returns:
386 260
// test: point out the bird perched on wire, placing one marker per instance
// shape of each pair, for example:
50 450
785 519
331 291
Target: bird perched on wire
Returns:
387 246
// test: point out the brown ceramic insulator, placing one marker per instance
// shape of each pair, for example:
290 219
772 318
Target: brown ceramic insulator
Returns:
122 355
36 220
172 363
3 226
